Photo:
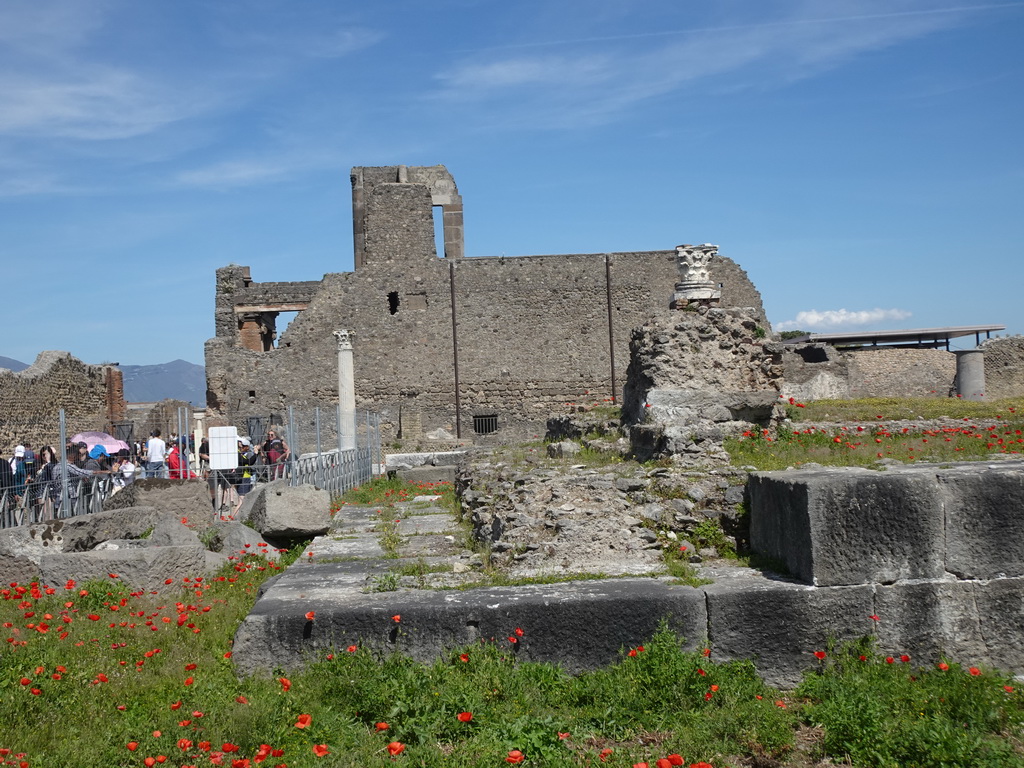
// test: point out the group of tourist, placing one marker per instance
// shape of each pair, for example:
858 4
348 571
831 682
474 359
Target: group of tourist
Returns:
33 479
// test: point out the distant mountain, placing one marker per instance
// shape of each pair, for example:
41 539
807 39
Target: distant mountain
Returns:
177 380
13 365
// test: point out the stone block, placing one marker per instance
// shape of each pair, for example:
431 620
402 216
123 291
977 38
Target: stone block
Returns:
580 625
1000 605
779 625
984 533
842 526
428 474
171 533
142 569
929 620
82 533
183 498
397 461
287 513
236 539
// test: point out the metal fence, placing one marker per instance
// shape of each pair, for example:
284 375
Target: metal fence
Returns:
326 448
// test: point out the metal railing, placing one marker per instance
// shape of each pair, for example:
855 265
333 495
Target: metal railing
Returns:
327 448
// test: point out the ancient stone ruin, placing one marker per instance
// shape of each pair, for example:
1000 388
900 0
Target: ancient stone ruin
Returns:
469 345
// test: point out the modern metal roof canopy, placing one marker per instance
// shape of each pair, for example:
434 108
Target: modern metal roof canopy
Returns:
917 337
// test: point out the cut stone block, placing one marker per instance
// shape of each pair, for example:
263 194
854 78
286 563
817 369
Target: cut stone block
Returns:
779 625
581 625
284 512
983 507
844 526
142 569
930 620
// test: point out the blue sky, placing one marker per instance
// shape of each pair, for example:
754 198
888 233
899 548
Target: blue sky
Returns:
861 159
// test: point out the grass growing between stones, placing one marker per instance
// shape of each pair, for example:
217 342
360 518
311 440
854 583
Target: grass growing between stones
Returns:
96 675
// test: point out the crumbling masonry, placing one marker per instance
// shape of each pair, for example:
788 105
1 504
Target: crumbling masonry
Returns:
503 340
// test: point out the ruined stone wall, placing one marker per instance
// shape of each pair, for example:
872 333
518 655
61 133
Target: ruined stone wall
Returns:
821 372
532 335
92 396
884 372
531 332
1004 367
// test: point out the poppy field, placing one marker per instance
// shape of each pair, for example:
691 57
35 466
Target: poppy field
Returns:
97 675
995 429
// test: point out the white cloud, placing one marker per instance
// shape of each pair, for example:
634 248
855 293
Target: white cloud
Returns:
594 79
830 319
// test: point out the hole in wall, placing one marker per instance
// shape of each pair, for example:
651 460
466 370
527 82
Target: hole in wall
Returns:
393 302
438 213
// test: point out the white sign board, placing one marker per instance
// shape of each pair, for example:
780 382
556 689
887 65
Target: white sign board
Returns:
223 447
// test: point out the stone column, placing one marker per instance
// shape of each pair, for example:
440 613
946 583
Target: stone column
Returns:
970 374
346 391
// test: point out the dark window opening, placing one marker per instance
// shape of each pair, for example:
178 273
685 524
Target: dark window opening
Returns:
393 302
813 354
485 424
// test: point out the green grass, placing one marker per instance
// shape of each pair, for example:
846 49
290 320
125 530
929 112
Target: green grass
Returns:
83 675
905 408
864 445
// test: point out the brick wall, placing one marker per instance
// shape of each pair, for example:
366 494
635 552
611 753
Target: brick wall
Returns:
1004 367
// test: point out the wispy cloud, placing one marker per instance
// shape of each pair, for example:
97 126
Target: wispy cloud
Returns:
595 79
831 319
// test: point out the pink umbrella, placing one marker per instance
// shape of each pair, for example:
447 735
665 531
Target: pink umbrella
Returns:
112 444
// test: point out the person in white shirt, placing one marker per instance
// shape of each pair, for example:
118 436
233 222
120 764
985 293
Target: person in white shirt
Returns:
156 456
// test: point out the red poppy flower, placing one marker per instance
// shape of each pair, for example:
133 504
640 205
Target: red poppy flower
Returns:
1008 688
820 655
943 666
320 750
905 659
382 726
176 705
396 618
395 748
515 756
304 721
310 615
188 681
562 736
663 762
974 671
241 699
286 684
464 717
132 746
873 617
889 660
149 762
464 657
519 632
675 759
605 754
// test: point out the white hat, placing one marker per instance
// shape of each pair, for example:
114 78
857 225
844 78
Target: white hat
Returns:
244 440
19 451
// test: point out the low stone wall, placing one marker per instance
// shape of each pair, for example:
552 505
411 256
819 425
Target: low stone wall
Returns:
1004 367
935 552
820 372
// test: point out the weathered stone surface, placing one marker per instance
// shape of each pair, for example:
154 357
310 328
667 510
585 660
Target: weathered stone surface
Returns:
82 533
144 569
172 533
779 624
396 461
1000 605
184 498
286 512
838 526
932 619
983 506
234 539
697 377
580 625
428 474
